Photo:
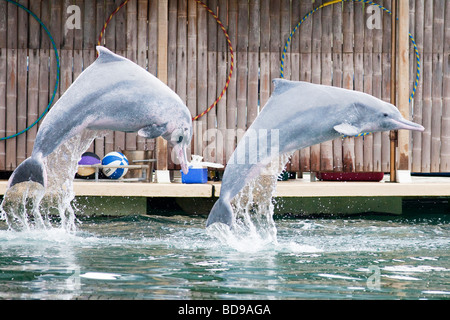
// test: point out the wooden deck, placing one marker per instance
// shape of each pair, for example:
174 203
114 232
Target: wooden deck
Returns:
301 197
419 187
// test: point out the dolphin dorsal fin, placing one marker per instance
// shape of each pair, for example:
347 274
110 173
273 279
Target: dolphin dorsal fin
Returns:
105 55
283 85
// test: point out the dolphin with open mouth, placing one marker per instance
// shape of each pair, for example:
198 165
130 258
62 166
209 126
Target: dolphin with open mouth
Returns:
111 94
299 115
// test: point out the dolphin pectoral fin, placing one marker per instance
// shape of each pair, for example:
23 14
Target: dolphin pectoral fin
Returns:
151 132
346 129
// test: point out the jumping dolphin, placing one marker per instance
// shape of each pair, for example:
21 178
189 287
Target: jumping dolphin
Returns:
298 115
111 94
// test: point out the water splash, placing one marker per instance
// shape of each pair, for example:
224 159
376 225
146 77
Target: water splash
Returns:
29 206
20 207
253 207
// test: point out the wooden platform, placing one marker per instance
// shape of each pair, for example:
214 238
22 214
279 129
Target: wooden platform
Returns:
419 187
300 197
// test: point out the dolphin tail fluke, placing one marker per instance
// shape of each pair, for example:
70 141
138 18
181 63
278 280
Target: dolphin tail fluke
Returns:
221 212
31 169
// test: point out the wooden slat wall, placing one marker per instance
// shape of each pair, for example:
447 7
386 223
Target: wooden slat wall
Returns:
334 46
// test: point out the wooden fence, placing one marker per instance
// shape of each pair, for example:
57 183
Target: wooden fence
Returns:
345 45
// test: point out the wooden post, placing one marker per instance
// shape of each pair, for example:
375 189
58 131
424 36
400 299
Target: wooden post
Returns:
295 74
141 47
445 129
427 84
11 87
161 144
363 75
264 60
438 116
22 80
316 76
242 70
202 79
348 31
305 33
230 139
222 74
210 151
337 77
393 134
403 84
192 38
3 64
33 76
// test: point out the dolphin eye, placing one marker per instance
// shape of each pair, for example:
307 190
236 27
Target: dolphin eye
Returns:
180 139
385 115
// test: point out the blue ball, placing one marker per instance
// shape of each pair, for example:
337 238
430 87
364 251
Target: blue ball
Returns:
117 159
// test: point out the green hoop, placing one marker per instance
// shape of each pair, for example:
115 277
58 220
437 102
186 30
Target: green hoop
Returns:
57 71
360 1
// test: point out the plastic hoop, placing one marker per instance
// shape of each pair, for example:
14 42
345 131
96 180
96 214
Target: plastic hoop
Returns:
57 72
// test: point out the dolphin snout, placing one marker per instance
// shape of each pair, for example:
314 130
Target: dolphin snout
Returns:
407 125
180 151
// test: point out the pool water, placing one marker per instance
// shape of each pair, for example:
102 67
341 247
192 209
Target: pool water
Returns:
175 257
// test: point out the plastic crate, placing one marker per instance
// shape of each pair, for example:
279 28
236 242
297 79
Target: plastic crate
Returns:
195 175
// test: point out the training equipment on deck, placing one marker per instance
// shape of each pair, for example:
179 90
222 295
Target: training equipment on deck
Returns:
114 159
87 158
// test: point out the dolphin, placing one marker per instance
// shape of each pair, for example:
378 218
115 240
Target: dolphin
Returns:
113 93
298 115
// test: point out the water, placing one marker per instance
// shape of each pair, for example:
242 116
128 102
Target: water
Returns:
174 257
28 205
48 250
